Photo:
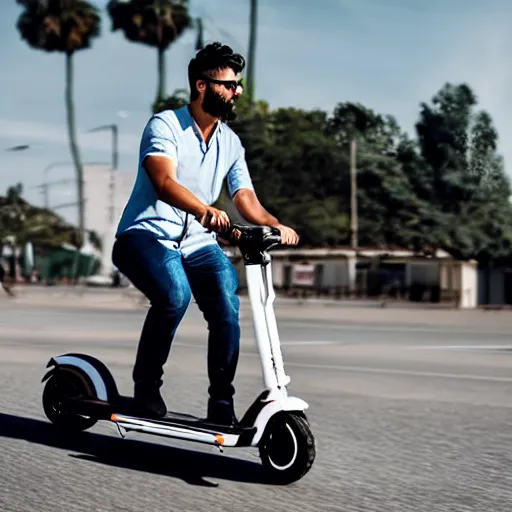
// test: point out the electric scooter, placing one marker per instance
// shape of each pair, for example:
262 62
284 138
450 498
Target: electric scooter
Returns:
80 390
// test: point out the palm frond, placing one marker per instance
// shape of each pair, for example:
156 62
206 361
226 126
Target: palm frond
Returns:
58 25
156 23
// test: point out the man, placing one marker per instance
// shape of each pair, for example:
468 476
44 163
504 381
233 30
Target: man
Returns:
166 243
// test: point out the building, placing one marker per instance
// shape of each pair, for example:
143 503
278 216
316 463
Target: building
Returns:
398 275
106 193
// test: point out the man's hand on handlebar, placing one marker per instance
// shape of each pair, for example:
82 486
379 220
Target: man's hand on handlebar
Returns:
288 235
217 220
214 219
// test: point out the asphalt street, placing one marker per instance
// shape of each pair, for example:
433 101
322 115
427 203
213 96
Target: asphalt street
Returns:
411 411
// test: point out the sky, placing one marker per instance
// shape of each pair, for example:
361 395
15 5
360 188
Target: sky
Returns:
389 55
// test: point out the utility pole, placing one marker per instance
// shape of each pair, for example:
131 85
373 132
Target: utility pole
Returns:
45 186
46 192
253 21
352 260
353 195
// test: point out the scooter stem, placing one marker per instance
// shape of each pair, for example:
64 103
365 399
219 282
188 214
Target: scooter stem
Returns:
261 295
275 344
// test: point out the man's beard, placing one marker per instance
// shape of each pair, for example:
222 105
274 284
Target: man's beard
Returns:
215 105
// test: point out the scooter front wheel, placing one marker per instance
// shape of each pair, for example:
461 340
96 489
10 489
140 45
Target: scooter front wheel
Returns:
65 384
287 448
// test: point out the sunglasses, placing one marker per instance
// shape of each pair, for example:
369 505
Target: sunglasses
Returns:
232 85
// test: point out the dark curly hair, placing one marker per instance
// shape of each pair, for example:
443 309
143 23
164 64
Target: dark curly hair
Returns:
211 58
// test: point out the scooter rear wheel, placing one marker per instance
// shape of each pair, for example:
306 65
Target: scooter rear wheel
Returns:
65 384
287 449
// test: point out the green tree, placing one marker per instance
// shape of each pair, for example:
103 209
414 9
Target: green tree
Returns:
443 134
14 193
464 179
425 228
387 204
296 170
29 223
489 205
64 26
178 99
446 189
156 23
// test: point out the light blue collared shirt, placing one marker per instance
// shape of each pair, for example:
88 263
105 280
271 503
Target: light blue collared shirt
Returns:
201 168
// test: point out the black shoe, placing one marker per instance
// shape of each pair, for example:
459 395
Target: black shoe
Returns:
148 398
221 412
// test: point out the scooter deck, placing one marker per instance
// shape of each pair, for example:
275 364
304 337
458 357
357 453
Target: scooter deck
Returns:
125 413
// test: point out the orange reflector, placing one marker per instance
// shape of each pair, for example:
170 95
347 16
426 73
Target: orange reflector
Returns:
113 418
219 439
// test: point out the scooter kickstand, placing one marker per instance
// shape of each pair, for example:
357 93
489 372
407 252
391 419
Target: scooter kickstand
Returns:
123 435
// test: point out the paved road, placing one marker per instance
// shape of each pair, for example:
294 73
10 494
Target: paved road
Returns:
408 416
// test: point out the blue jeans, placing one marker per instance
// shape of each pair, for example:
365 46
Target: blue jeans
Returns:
169 280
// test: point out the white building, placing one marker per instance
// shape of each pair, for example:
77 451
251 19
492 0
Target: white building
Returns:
106 193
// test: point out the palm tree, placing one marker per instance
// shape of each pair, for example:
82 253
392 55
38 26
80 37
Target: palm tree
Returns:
64 26
156 23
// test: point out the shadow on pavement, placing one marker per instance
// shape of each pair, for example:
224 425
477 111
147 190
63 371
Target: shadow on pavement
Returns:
187 465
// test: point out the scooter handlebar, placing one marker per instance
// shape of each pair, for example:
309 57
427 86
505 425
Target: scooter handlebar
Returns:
253 238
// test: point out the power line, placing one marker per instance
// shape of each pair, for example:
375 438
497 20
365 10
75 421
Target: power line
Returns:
223 33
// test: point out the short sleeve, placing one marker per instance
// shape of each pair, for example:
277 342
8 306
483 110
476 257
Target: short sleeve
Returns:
238 175
157 139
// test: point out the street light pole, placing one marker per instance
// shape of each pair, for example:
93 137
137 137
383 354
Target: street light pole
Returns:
115 131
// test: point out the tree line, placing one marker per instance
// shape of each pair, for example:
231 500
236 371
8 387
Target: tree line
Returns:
445 188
